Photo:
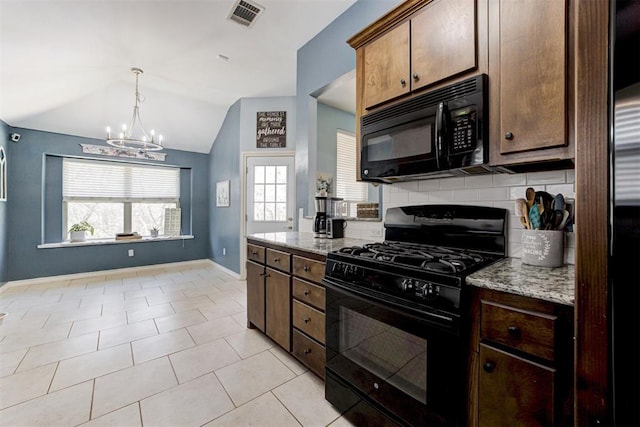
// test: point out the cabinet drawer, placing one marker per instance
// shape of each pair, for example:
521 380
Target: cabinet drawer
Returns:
308 269
527 331
309 293
309 320
309 352
255 253
278 259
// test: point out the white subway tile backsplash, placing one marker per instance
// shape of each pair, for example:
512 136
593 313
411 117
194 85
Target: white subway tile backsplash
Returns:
571 175
479 181
500 193
518 192
398 199
408 186
429 185
465 195
566 190
441 196
548 177
451 183
509 180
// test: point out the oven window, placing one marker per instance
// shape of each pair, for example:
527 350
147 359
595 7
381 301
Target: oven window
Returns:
398 144
394 355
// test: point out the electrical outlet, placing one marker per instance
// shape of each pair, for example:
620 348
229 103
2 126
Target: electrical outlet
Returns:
130 252
376 232
224 251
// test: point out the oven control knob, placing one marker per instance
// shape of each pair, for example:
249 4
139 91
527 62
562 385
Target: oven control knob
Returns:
429 291
406 285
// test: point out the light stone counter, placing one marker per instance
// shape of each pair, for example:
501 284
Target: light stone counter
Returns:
306 241
510 275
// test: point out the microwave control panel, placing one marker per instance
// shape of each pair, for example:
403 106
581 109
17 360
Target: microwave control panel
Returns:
463 135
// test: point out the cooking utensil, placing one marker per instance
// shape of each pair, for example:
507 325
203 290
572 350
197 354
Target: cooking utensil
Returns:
530 194
544 198
534 217
522 212
558 202
563 222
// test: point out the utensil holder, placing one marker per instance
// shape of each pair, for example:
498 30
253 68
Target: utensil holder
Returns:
544 248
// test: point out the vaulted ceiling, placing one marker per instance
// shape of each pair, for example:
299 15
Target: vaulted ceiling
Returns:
65 64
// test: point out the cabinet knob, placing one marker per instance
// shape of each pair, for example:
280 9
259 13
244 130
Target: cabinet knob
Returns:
307 320
514 331
305 268
307 292
416 77
489 367
403 82
307 351
276 260
254 253
508 136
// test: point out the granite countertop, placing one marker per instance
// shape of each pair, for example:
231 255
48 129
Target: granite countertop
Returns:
510 275
306 241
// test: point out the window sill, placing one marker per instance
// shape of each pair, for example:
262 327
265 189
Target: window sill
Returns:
145 239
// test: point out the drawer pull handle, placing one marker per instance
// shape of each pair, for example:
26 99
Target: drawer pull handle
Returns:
508 136
489 367
306 268
307 320
514 331
307 351
254 253
307 293
276 260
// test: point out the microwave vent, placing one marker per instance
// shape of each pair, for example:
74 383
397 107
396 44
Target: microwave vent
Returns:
459 90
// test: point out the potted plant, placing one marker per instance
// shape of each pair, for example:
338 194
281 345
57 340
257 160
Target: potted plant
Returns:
154 231
77 232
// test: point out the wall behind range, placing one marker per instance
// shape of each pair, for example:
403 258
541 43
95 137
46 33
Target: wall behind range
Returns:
4 208
484 190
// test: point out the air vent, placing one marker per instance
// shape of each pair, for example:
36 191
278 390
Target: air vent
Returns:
245 12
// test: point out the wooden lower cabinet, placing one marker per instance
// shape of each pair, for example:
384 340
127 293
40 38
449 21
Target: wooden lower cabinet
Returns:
255 295
309 352
514 391
277 307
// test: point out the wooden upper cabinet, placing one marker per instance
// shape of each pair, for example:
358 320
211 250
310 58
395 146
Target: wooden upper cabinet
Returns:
415 45
443 41
386 66
529 41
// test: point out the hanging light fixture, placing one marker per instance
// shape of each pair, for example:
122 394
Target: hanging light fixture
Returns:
135 137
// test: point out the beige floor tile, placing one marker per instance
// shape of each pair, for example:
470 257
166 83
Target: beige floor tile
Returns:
249 342
290 361
127 333
68 407
87 312
36 308
32 337
194 362
179 320
52 352
240 318
304 397
204 396
129 385
143 293
264 411
129 416
254 376
137 304
10 361
25 385
167 296
159 310
92 365
15 323
88 300
212 330
198 303
341 422
106 321
222 309
161 345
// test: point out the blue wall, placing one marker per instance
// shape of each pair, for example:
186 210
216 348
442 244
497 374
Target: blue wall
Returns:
322 60
329 121
4 208
25 232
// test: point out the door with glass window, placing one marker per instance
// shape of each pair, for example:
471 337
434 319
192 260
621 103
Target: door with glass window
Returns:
270 194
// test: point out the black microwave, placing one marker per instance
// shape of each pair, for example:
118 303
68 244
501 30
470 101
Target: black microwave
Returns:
439 133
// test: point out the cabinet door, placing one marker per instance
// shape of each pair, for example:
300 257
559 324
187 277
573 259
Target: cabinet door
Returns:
278 307
533 74
513 391
386 66
255 295
443 41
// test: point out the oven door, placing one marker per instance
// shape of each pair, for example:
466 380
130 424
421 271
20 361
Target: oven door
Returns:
391 362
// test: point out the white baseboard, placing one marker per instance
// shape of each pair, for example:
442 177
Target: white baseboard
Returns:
38 280
226 270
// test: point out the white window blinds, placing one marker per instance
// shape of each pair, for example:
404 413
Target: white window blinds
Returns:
346 185
95 179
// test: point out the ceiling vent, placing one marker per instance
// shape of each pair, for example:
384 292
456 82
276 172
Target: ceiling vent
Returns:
245 12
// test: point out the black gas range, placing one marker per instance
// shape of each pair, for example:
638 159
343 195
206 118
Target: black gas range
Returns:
386 300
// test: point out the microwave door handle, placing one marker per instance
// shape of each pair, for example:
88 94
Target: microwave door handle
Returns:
439 131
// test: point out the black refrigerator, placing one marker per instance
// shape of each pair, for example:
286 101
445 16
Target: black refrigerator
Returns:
624 261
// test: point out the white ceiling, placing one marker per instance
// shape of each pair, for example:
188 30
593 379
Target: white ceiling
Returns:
65 64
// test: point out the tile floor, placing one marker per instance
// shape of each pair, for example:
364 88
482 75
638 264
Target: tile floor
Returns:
161 346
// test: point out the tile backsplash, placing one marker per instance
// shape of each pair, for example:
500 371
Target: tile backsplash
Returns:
484 190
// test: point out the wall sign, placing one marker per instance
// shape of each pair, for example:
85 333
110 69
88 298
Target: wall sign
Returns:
271 129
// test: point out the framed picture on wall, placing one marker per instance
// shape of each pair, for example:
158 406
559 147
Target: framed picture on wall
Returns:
222 194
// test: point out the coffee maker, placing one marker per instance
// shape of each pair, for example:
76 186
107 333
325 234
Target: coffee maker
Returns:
320 221
335 220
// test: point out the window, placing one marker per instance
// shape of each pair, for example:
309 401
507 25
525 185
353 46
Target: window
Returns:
118 197
346 185
270 193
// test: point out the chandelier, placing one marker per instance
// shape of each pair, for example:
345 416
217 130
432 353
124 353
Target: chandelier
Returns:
140 140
